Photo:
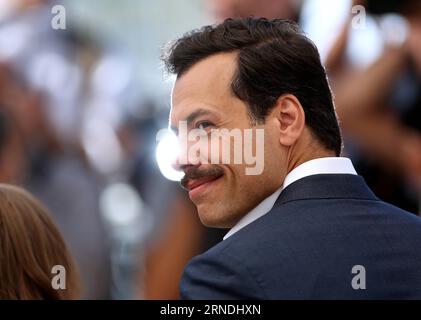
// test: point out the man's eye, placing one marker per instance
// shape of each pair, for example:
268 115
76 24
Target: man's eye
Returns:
204 125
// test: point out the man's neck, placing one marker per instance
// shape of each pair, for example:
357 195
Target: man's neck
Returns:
299 158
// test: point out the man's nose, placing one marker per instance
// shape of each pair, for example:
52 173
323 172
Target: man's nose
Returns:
184 167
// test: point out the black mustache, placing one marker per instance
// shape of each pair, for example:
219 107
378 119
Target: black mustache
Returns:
196 173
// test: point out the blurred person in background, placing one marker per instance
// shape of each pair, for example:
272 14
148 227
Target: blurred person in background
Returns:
375 69
40 93
85 145
30 247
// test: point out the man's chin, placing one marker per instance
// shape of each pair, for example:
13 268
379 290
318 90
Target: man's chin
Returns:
213 218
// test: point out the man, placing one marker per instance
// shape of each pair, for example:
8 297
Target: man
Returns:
306 226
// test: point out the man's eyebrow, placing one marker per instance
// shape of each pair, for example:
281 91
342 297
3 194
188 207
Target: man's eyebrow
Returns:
192 116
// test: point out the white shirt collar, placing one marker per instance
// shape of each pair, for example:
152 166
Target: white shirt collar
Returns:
328 165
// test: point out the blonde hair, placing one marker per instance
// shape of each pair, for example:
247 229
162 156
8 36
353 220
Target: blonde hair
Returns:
30 245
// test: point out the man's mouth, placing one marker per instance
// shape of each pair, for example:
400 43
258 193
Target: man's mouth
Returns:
199 185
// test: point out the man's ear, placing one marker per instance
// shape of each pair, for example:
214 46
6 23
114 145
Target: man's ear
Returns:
290 119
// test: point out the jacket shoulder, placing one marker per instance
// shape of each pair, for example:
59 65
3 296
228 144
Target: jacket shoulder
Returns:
220 273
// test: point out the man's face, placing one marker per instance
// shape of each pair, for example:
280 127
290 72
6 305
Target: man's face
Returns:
223 192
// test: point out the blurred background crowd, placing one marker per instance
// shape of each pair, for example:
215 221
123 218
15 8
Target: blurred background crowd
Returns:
80 108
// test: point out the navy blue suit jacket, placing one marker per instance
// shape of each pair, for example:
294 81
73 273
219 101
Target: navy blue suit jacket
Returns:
320 227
